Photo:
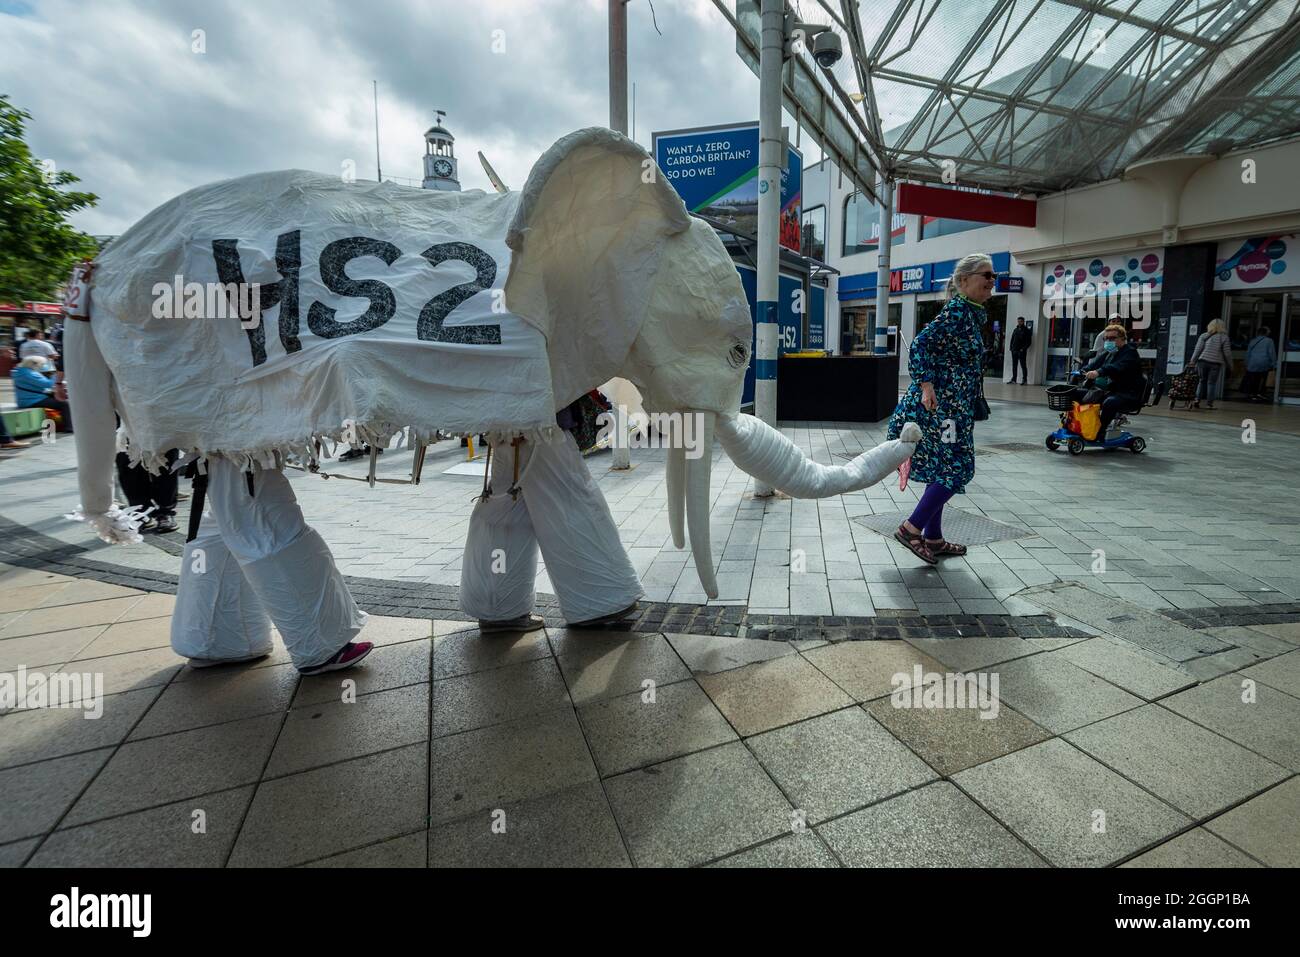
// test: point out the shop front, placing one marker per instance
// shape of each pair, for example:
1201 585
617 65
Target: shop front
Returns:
1259 280
1081 296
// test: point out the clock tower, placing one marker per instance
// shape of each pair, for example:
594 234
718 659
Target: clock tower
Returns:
439 158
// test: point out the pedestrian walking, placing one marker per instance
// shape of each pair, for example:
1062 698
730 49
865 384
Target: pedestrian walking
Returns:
1212 358
1021 338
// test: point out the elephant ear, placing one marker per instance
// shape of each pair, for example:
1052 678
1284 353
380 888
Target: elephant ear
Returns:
594 222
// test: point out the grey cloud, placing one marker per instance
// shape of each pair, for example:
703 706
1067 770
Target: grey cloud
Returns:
123 102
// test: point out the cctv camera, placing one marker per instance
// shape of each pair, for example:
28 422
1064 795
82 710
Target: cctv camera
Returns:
827 49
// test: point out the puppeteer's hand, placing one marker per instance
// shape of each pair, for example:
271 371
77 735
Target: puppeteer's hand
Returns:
928 399
1091 375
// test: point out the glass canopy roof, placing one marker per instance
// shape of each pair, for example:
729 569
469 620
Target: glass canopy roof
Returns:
1044 95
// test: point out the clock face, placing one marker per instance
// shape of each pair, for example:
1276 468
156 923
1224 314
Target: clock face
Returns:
442 167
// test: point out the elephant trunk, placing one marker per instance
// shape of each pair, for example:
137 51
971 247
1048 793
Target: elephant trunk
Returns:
761 451
697 504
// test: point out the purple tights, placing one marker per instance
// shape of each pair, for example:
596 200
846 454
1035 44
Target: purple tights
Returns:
928 515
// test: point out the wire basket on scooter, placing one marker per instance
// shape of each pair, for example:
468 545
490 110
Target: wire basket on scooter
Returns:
1060 398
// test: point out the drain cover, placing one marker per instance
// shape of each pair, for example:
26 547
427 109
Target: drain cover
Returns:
957 525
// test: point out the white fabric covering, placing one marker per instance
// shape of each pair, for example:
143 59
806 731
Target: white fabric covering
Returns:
285 562
560 509
218 615
377 264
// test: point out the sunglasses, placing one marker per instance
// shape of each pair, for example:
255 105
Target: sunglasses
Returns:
1110 338
990 276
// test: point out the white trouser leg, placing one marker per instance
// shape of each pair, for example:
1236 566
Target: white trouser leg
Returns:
587 564
498 571
218 615
286 562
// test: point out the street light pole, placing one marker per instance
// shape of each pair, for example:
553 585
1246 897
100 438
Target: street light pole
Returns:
770 141
886 192
618 388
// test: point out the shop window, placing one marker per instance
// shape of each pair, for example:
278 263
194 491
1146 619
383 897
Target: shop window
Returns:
813 241
862 226
858 329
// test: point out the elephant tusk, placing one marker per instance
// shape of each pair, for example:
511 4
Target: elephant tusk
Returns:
697 504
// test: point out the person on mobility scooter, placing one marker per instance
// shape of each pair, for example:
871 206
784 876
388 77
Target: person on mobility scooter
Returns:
1113 378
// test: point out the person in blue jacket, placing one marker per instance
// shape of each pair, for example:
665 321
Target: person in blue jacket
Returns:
33 388
946 363
1117 370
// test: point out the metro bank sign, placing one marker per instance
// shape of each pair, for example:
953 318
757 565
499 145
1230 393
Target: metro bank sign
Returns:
910 279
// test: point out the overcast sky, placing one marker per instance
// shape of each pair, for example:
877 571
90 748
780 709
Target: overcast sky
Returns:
118 96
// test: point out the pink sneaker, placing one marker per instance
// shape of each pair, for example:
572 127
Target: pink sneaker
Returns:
351 654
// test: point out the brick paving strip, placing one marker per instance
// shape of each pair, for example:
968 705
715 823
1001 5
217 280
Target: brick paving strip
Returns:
25 547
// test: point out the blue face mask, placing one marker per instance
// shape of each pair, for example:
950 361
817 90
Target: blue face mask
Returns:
1110 345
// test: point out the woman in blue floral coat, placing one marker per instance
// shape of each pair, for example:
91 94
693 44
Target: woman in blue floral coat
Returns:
946 364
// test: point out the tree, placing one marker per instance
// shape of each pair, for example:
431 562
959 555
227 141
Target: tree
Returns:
38 247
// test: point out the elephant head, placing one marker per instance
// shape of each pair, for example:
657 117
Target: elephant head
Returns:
626 283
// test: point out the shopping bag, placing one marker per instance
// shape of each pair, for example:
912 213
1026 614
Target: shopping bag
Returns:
1085 420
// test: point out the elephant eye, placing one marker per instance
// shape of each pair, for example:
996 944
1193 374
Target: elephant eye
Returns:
739 355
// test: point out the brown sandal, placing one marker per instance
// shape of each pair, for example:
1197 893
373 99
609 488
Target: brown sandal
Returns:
942 547
916 545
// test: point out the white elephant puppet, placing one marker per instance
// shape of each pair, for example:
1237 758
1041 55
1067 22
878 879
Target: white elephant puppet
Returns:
380 307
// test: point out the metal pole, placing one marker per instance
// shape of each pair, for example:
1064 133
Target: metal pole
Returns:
770 161
618 121
886 192
618 65
379 172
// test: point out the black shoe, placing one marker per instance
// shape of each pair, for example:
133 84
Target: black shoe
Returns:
164 524
362 452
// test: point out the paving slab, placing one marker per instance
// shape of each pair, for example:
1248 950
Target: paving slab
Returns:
770 694
13 855
1261 642
1195 848
466 652
322 734
631 731
1049 796
499 694
42 621
408 851
159 837
604 665
229 697
953 739
197 762
800 850
131 671
698 808
1282 673
336 808
507 763
968 654
1121 664
388 630
935 826
836 762
871 669
1287 631
1144 628
571 828
385 668
42 733
1266 827
1059 695
35 651
1195 770
130 636
36 796
1225 662
1266 726
707 655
